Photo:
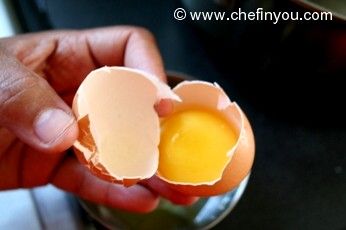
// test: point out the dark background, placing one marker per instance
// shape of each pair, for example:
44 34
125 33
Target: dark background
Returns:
288 78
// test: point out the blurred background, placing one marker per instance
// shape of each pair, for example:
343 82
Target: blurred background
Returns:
288 78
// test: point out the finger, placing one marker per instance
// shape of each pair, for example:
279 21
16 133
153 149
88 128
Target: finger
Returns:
164 107
130 46
163 189
141 52
88 49
75 178
32 110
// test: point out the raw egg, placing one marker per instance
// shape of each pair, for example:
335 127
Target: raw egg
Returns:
205 147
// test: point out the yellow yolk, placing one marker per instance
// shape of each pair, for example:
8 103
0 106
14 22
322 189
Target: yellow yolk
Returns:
194 145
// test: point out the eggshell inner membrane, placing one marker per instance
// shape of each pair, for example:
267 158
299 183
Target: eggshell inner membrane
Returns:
118 124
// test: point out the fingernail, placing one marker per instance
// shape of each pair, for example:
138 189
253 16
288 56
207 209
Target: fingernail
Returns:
51 124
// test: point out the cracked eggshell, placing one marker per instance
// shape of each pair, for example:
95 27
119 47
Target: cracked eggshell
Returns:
119 128
240 157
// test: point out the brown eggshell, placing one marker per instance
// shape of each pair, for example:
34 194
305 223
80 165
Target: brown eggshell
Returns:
241 156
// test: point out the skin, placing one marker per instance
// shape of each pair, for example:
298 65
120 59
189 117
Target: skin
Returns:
43 70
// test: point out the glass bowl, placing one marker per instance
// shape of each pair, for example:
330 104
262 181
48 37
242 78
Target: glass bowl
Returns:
204 214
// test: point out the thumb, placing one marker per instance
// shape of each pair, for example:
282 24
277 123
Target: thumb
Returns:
32 110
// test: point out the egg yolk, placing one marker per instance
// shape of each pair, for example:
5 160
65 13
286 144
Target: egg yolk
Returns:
194 145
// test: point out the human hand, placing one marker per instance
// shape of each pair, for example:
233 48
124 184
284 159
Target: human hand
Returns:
39 75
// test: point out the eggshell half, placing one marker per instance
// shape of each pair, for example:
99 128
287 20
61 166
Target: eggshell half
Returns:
119 127
240 157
